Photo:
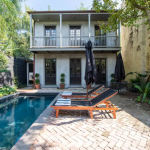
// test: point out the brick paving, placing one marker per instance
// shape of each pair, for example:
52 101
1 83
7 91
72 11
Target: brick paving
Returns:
74 130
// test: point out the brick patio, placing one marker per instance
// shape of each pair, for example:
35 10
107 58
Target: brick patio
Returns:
74 130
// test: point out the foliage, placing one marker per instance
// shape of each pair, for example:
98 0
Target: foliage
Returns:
82 7
62 79
62 75
37 75
139 78
3 61
14 29
113 80
4 70
143 93
128 15
112 75
37 81
7 90
16 82
49 7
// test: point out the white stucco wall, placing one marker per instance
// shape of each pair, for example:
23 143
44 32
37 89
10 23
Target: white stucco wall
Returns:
63 66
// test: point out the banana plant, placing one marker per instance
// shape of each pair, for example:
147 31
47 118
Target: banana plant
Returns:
143 92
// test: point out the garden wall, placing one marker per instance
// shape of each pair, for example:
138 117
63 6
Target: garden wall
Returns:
17 67
135 48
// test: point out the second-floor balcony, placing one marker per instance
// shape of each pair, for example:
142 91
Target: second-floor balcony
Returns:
70 29
76 41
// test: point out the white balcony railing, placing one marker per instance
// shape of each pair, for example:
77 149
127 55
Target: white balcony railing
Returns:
41 42
78 41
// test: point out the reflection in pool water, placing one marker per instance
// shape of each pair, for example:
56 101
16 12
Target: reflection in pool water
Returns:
17 115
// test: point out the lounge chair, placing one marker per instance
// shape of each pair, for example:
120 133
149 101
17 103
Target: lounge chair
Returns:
90 105
84 95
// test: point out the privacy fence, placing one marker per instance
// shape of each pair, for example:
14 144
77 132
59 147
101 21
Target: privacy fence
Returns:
17 68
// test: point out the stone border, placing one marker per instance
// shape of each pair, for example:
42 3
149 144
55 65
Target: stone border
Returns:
31 134
8 97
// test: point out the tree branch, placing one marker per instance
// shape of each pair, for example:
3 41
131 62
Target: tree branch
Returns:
136 5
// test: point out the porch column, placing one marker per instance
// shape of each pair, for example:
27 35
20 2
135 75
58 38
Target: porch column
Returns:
60 30
30 30
119 34
89 22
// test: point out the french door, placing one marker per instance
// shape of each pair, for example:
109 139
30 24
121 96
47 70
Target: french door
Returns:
100 37
50 33
101 70
75 33
75 71
50 71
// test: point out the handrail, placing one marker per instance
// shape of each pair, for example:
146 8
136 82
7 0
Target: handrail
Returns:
71 36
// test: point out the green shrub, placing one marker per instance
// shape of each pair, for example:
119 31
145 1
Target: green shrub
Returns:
3 61
4 70
62 75
37 75
113 80
62 79
143 93
112 75
37 81
7 90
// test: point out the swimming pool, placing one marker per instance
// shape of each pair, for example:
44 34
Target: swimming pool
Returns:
17 115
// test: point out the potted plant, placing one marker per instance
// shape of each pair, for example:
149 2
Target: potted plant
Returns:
37 81
62 80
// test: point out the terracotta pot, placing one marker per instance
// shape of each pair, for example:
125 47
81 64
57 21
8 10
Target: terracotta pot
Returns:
37 86
89 86
62 86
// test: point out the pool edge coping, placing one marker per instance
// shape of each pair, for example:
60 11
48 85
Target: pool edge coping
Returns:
28 138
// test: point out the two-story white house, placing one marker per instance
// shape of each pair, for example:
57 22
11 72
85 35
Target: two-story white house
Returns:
58 40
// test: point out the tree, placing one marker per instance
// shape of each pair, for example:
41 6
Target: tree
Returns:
14 29
82 7
128 15
49 7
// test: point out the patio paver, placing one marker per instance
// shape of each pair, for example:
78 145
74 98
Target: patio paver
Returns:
74 130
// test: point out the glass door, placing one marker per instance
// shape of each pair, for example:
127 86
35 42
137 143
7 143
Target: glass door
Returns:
50 72
50 33
75 71
100 37
75 33
101 70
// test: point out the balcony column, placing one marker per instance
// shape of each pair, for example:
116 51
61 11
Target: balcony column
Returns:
60 30
30 30
89 22
119 34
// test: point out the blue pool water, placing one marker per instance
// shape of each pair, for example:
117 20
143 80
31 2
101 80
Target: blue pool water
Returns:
17 115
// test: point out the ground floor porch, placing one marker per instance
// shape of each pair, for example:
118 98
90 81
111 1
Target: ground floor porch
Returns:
50 66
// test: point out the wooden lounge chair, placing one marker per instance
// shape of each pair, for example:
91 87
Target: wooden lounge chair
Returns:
84 95
91 105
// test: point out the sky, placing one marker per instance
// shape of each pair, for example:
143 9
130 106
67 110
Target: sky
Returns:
42 5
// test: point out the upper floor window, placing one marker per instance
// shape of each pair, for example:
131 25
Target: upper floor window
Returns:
50 31
75 30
